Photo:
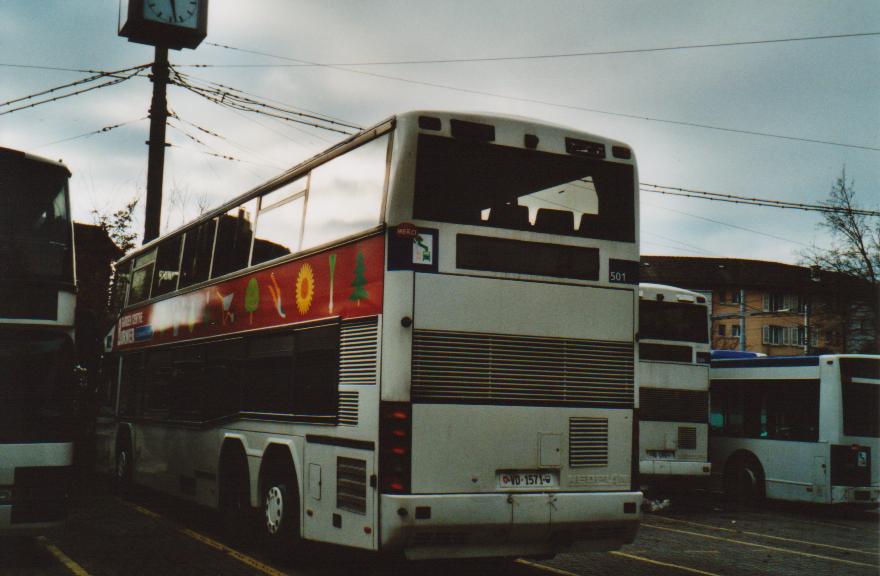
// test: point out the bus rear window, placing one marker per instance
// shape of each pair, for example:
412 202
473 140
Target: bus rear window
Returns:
673 321
861 409
477 183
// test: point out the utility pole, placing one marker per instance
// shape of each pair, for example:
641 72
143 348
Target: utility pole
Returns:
156 158
807 329
162 25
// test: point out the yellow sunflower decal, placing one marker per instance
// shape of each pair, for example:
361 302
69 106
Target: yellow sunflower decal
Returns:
305 288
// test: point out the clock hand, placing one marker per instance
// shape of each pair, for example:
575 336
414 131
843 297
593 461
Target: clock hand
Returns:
174 11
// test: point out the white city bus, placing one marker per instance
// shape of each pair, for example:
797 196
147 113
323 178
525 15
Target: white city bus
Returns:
37 357
673 384
797 428
420 340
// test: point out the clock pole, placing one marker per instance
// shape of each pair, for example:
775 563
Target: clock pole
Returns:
156 159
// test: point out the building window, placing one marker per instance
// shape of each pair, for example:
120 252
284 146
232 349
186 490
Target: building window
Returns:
776 335
779 302
721 330
735 331
736 297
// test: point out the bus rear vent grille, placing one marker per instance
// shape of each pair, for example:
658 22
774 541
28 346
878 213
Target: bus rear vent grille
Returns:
478 368
687 438
358 352
351 485
587 442
348 408
657 404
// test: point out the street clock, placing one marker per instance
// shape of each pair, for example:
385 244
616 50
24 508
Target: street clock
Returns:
165 23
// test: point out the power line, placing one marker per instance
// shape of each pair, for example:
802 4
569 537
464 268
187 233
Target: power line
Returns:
727 224
92 133
549 56
571 106
347 123
56 68
225 139
116 79
734 199
232 100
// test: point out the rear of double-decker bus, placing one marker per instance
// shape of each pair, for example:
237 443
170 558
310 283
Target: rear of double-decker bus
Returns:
673 385
507 367
37 301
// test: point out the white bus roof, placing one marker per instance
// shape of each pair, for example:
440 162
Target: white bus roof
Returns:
649 291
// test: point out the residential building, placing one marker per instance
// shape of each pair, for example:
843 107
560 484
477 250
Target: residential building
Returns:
769 307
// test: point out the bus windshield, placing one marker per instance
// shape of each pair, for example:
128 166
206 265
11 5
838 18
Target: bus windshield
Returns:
478 183
36 387
673 321
35 231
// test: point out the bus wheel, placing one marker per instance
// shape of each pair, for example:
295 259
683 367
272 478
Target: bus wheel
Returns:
280 516
123 475
746 481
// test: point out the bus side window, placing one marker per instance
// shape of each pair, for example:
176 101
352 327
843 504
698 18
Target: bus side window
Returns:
167 266
141 277
235 231
268 372
121 280
157 387
196 259
186 383
222 379
109 376
716 411
130 383
317 371
345 194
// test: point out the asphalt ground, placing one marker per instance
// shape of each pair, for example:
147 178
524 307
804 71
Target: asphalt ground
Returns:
698 533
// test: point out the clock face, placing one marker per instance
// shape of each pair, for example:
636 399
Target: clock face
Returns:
184 13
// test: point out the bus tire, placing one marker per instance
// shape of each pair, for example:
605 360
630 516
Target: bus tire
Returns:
234 501
280 510
744 480
124 468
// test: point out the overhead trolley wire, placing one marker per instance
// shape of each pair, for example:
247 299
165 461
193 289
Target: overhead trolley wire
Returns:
116 77
542 56
734 199
557 104
340 121
233 100
93 132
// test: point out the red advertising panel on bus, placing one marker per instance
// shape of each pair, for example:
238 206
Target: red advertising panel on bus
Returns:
346 282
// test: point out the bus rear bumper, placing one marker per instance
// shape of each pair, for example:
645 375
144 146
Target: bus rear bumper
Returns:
863 495
507 524
674 468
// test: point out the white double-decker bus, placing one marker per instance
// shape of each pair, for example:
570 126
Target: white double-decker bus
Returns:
420 340
673 385
37 357
801 428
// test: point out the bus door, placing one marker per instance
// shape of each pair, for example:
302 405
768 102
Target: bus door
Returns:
339 502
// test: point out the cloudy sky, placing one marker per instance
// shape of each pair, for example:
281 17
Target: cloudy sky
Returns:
809 90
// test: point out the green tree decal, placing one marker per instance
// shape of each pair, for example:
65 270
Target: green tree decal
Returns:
359 293
252 298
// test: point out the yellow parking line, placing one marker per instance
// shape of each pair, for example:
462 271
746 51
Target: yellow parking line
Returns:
666 564
842 548
241 557
774 548
544 567
63 558
559 572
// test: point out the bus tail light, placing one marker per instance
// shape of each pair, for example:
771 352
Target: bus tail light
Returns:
395 446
